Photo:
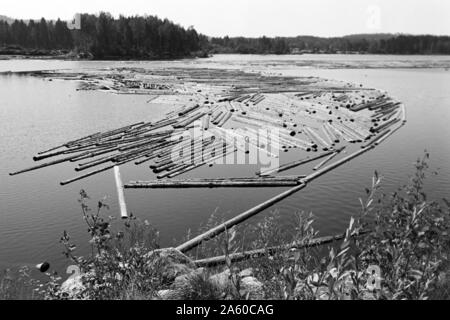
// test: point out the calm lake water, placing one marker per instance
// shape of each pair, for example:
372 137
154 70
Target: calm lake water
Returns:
36 114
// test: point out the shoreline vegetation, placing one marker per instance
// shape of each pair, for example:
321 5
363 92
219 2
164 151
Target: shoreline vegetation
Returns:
103 37
397 247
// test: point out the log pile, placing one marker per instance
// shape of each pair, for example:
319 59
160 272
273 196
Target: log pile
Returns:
232 109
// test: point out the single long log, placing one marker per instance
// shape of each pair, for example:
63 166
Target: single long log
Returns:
328 159
120 194
403 114
225 119
47 164
206 120
389 133
336 164
57 153
386 124
188 110
377 137
293 164
214 183
250 254
238 219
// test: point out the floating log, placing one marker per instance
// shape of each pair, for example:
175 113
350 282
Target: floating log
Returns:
46 164
251 254
195 166
389 133
188 110
188 121
91 173
93 154
403 114
216 116
253 141
386 125
314 137
328 137
57 153
346 134
120 194
191 162
293 164
238 219
377 137
205 124
224 119
215 183
331 135
68 143
219 118
174 153
334 154
355 132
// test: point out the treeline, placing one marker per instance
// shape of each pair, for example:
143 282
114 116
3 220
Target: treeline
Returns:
263 45
36 35
135 37
104 37
369 43
149 37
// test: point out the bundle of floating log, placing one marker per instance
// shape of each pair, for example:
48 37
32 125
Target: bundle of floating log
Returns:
302 113
140 142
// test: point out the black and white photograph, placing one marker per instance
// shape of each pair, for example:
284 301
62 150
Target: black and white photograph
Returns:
246 153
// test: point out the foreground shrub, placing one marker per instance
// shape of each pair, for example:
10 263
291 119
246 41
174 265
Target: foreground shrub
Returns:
404 256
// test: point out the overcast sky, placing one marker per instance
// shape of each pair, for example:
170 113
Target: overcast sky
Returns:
255 18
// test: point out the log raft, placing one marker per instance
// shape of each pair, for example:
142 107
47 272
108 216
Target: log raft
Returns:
305 113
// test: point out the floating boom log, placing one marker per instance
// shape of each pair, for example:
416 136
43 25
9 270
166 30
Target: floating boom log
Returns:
215 183
293 164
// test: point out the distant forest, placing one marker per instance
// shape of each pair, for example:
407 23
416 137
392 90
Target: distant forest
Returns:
103 37
149 37
366 43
